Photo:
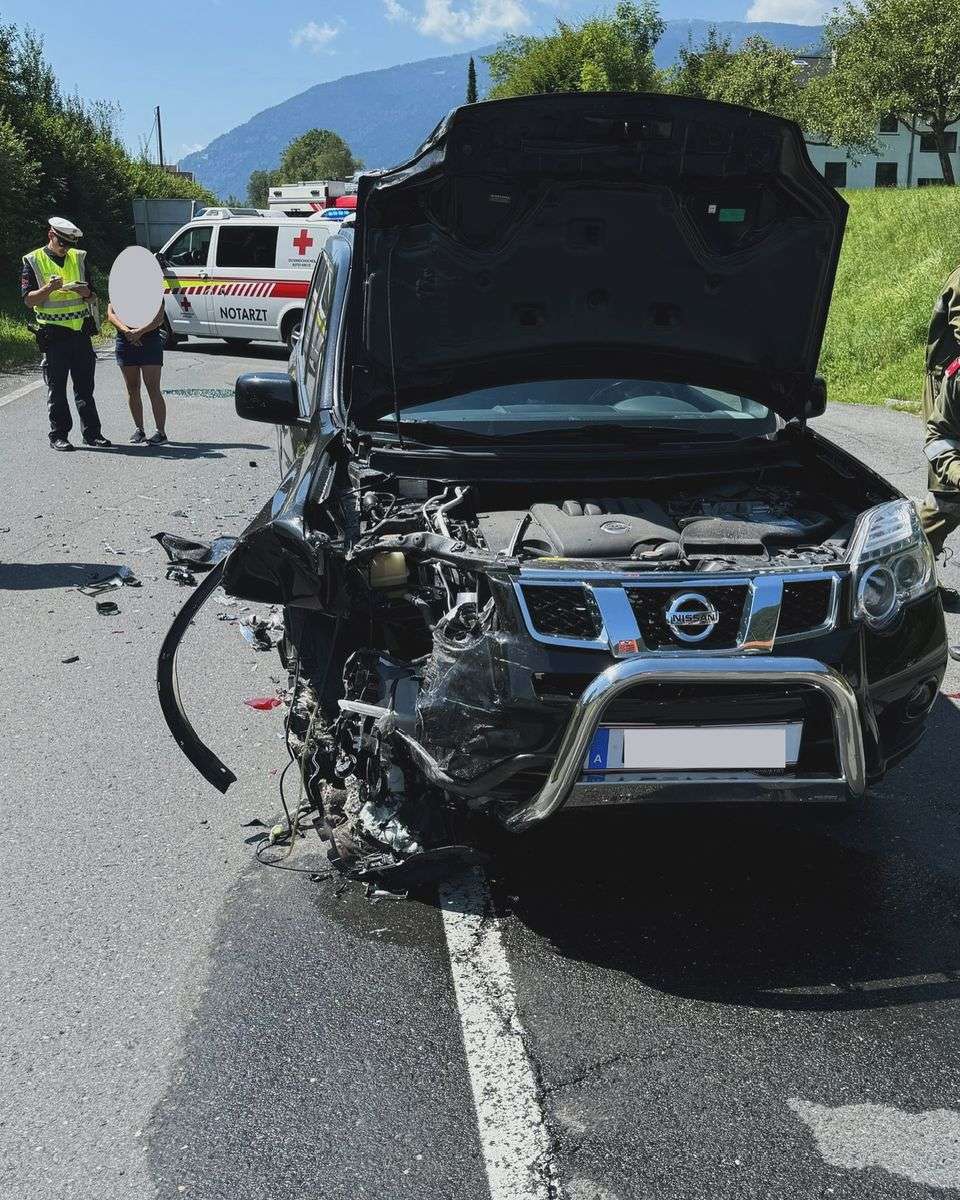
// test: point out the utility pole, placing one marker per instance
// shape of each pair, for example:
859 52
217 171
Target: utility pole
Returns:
159 137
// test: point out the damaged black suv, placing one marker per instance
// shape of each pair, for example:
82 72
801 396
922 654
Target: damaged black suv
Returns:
554 531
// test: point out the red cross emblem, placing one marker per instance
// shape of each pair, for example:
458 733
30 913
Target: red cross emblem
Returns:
302 241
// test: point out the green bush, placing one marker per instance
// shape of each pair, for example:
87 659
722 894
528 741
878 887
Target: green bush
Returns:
900 246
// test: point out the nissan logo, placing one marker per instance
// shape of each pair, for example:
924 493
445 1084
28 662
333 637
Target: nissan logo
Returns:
691 617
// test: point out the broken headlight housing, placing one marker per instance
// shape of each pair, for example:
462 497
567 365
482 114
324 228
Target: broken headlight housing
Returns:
891 562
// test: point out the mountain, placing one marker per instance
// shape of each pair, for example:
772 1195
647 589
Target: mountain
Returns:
384 115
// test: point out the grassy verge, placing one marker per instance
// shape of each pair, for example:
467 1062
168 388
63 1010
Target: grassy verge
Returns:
899 247
17 345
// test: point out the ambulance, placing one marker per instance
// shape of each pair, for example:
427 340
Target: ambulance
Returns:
239 274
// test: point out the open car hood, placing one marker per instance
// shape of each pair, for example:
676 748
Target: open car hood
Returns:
610 234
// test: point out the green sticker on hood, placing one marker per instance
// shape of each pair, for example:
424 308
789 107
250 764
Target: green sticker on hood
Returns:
731 215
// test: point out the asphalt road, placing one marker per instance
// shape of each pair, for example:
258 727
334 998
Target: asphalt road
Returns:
713 1004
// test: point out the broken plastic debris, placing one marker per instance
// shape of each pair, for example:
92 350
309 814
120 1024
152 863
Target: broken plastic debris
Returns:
107 608
71 658
263 703
181 575
122 577
199 556
263 634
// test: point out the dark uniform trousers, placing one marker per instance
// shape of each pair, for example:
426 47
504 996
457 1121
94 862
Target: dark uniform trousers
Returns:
938 516
71 357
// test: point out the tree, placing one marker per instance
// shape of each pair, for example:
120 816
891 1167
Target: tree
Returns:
759 75
318 154
607 53
892 56
259 186
697 71
471 82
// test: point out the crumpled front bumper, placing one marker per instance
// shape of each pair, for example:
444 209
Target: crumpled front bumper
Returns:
565 784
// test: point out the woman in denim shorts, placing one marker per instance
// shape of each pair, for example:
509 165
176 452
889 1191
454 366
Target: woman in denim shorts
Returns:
140 355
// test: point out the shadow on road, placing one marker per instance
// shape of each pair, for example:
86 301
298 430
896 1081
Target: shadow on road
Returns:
775 909
34 576
214 349
179 450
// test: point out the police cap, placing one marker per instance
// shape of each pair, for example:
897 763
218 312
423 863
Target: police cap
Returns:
65 229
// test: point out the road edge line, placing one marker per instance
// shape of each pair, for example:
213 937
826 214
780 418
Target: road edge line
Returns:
514 1139
27 388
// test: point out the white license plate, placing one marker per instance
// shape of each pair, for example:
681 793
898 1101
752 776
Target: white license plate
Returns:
694 748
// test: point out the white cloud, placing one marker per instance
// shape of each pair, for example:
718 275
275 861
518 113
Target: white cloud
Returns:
190 148
396 11
315 37
475 20
794 12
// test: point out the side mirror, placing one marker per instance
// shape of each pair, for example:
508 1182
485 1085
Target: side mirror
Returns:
267 396
815 404
162 259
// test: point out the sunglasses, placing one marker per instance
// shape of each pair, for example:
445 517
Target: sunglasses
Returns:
61 241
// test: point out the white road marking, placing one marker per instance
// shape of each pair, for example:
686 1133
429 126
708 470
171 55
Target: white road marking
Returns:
513 1134
921 1146
11 396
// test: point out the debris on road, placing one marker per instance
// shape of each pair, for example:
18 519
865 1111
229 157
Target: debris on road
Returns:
107 608
263 703
181 575
71 658
198 556
262 634
122 577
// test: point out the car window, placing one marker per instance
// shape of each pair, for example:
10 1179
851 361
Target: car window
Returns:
315 322
247 246
191 248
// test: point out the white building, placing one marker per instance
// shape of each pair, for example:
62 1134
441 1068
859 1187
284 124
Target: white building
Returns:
905 159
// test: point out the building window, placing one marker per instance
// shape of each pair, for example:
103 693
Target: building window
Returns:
889 123
835 173
886 175
930 182
928 143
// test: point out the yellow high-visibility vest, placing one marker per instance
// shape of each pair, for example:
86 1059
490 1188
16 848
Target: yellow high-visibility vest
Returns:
61 307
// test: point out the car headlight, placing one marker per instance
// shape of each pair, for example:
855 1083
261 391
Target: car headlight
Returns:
891 562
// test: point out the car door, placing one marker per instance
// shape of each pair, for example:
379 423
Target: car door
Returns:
315 356
186 270
243 274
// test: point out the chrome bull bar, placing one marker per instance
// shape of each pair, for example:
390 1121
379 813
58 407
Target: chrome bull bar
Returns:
588 712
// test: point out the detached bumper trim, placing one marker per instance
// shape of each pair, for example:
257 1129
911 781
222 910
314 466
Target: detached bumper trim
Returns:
565 775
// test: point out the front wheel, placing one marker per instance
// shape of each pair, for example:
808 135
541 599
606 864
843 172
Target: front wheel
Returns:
169 339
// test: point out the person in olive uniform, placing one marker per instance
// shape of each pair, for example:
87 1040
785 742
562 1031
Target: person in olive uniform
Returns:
943 348
941 510
55 284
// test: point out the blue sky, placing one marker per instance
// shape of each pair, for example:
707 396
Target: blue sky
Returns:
211 64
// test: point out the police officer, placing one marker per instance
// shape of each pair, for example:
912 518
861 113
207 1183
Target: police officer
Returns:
55 284
943 348
941 510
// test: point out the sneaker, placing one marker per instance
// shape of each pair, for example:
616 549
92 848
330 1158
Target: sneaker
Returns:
157 439
99 440
139 437
60 444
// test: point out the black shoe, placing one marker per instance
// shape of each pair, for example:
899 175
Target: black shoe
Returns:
950 598
99 440
60 444
158 439
139 437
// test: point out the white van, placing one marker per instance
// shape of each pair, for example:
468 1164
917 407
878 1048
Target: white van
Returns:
240 275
